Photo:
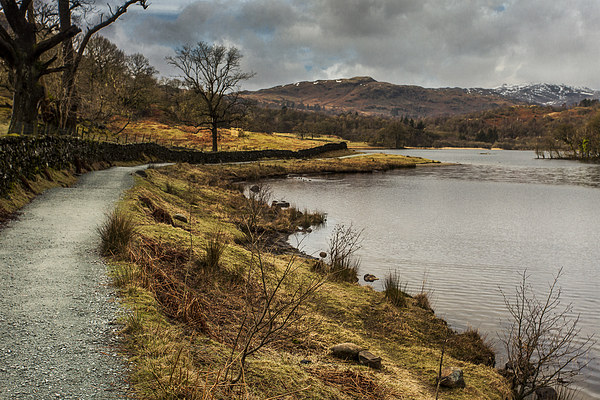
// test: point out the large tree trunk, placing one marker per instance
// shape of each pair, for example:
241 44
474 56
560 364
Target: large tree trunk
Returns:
26 99
215 136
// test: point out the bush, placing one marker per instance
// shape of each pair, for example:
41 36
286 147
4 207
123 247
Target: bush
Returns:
116 234
393 290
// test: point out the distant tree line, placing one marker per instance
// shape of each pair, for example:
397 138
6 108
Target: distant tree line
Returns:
545 128
377 130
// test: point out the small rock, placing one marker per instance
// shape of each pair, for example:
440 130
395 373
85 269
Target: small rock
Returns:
322 254
347 351
180 217
142 173
280 204
546 393
255 188
305 361
452 378
369 359
370 278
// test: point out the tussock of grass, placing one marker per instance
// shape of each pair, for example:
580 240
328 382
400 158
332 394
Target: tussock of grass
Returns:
213 251
183 321
422 300
116 234
394 292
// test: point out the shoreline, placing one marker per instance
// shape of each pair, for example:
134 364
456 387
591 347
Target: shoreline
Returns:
407 339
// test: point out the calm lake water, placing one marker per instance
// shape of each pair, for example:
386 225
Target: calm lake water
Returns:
469 230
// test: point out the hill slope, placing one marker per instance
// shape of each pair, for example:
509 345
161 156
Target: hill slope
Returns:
365 95
368 96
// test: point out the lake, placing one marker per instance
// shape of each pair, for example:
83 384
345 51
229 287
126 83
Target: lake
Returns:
467 231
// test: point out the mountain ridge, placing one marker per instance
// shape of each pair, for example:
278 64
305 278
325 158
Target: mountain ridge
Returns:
365 95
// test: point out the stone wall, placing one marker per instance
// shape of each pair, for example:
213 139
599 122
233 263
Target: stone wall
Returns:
25 156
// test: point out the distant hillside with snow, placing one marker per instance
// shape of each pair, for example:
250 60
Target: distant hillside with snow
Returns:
365 95
544 93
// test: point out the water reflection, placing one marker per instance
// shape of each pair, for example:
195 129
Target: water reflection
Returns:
470 229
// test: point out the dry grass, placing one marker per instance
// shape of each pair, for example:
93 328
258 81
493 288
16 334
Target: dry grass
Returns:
394 291
353 383
116 234
184 320
230 139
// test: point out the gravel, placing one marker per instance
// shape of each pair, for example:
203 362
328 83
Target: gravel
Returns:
58 335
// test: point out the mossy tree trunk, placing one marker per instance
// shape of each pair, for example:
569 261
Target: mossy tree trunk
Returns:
28 92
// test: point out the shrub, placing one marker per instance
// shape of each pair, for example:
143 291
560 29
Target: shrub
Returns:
393 290
116 234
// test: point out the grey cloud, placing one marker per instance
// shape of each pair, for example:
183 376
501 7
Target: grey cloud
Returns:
429 42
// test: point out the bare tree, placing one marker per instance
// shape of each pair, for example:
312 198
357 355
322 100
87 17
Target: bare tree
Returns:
72 55
543 344
28 46
213 73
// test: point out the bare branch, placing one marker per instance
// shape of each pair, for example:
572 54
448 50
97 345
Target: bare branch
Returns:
55 40
543 344
103 24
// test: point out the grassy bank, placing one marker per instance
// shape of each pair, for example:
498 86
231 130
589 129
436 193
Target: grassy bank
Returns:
190 299
229 139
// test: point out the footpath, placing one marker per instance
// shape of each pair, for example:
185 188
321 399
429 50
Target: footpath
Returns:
57 310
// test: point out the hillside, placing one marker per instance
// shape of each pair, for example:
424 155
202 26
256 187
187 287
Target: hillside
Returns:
367 96
517 127
543 94
370 97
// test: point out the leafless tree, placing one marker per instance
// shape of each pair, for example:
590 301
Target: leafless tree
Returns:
543 344
28 46
112 83
213 73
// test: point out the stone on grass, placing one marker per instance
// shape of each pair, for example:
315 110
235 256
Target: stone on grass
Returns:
452 378
347 351
180 217
369 359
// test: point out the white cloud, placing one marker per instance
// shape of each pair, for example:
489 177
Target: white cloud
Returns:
429 42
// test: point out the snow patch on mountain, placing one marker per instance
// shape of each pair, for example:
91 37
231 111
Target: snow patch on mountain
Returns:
545 94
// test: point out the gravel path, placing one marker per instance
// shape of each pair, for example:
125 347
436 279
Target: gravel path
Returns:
57 312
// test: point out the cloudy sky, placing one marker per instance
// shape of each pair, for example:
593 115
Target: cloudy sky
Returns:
432 43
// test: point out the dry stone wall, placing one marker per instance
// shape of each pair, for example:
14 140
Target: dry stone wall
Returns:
25 156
